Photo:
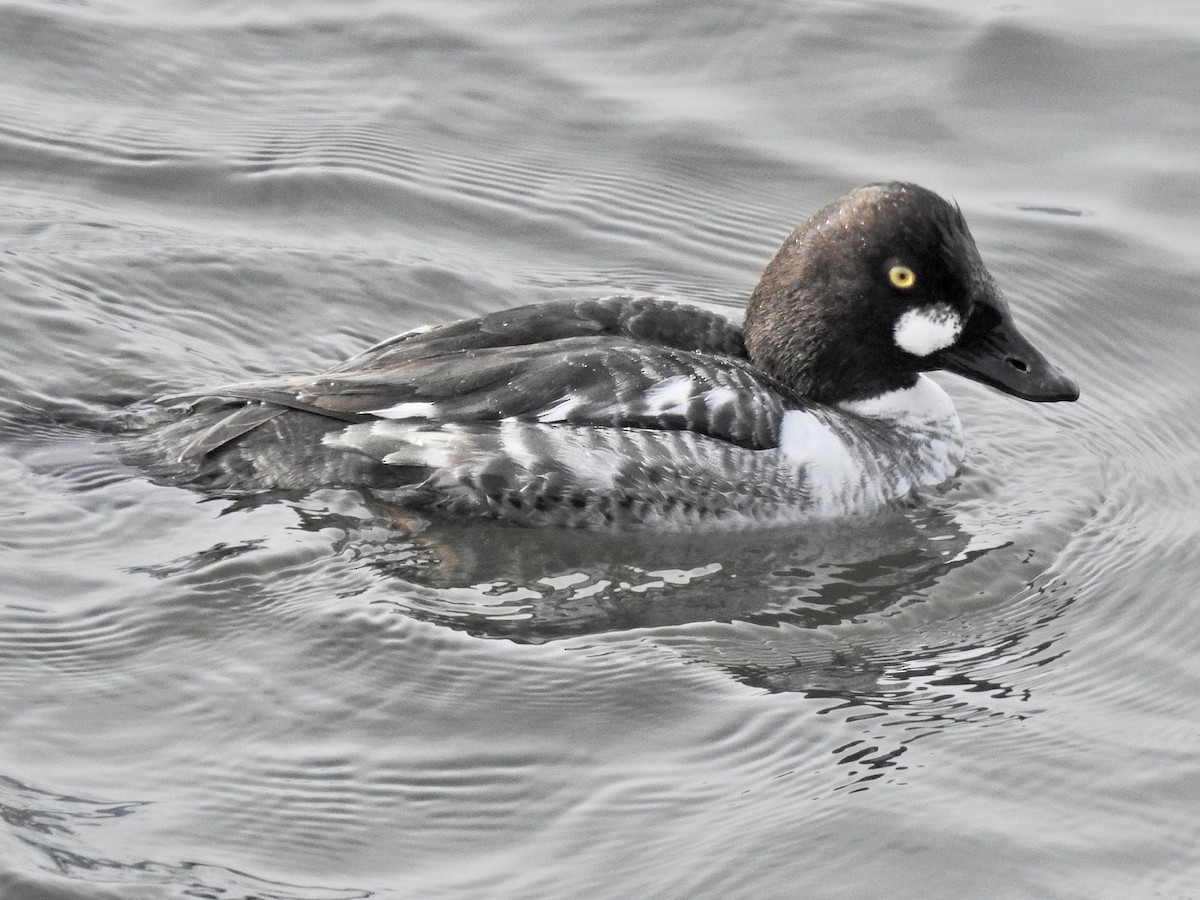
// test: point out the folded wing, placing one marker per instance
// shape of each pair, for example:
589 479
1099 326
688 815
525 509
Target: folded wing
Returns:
616 362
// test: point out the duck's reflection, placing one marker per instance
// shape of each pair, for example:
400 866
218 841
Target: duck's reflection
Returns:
534 586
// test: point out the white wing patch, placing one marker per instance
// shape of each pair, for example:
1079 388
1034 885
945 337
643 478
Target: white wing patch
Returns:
926 330
593 458
560 410
828 463
671 397
397 444
719 397
406 411
514 445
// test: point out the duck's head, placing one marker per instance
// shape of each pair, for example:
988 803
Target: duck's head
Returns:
879 286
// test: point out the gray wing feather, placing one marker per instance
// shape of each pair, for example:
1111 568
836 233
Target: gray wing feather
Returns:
616 362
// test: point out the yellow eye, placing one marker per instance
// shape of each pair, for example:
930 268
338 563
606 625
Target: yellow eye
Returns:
902 277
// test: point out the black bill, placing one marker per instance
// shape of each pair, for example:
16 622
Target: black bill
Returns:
993 352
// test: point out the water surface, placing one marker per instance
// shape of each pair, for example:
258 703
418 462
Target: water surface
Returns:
988 693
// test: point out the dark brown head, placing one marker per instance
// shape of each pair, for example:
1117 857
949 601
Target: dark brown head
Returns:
883 284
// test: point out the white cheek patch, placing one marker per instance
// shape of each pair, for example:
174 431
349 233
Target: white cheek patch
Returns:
927 329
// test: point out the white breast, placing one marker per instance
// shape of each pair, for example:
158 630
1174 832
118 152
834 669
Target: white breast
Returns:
887 446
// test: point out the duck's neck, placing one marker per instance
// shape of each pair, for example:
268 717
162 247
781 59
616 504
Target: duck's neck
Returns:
886 447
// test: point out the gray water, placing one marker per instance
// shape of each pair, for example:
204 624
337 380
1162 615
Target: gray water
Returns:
990 693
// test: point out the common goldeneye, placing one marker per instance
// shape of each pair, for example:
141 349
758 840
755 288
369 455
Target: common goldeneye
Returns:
628 410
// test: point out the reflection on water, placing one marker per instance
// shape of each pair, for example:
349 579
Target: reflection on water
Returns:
778 591
50 830
535 586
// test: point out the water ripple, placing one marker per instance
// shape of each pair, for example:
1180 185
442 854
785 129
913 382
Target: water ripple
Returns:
46 828
989 691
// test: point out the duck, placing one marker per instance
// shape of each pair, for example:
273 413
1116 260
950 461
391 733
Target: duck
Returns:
625 411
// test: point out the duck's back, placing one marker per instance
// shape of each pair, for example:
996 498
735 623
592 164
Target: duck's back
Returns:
582 412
